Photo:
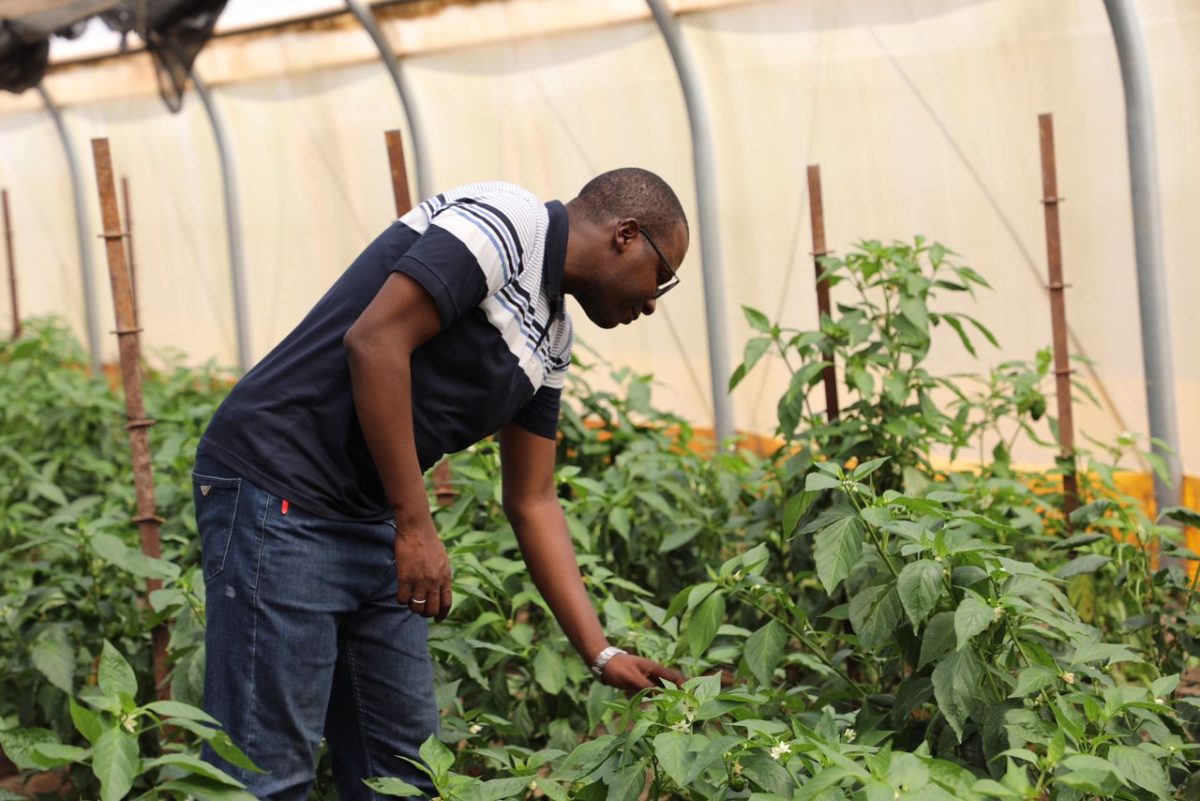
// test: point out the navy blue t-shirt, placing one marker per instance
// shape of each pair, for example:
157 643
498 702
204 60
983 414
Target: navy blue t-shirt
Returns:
491 256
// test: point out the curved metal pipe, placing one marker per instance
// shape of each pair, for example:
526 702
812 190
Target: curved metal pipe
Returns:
420 155
704 165
1147 231
233 225
90 308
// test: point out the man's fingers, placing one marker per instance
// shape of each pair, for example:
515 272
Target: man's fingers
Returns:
447 600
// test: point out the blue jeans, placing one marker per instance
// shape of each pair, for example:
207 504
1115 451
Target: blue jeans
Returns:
305 637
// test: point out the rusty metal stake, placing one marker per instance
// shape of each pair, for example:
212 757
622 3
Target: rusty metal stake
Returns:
443 482
130 353
12 267
1058 318
817 214
129 248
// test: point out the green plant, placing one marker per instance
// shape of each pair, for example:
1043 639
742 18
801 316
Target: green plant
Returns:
151 748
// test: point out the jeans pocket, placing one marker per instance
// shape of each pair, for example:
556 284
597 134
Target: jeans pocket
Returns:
216 510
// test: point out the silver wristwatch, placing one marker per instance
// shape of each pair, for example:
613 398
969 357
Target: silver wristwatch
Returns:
604 657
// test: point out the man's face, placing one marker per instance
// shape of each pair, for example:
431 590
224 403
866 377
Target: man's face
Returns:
631 271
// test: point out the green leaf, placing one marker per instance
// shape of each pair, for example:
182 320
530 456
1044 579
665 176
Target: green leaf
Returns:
549 671
1142 769
1181 514
867 468
54 657
175 709
55 755
618 518
757 320
875 613
437 757
114 759
938 638
764 649
49 491
914 310
203 789
957 683
193 765
221 742
704 622
671 751
957 325
837 548
626 784
1088 563
794 509
1033 679
755 349
973 616
920 588
86 721
1090 774
115 674
115 552
18 745
818 481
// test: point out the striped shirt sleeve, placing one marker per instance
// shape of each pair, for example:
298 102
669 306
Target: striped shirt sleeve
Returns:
470 247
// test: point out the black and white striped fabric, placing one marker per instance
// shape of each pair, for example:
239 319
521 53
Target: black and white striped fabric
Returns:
491 256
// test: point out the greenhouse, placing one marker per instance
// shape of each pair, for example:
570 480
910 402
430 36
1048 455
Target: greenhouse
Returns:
609 400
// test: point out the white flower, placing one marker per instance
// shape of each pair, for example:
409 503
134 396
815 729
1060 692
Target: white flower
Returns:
533 785
849 735
1069 678
130 723
779 750
682 726
474 728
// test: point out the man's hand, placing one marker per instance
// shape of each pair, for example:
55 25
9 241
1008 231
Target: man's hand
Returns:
422 571
631 673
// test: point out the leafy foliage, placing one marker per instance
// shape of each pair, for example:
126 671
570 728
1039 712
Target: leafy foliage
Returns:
859 625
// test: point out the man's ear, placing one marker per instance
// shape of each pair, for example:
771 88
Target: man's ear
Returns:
624 233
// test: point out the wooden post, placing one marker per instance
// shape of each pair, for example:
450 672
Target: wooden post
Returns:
137 317
443 482
817 213
130 353
12 267
1058 317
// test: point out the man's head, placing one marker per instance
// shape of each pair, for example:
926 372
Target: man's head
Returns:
628 238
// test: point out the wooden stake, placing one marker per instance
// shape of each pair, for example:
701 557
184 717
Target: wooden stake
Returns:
131 378
395 149
12 267
129 249
817 213
1058 317
443 482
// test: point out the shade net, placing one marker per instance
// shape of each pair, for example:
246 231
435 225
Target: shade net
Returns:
174 31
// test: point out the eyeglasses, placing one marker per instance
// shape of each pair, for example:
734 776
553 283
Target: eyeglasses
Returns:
670 283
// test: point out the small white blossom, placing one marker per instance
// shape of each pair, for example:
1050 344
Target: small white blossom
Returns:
474 728
1160 701
682 726
999 612
779 750
849 735
1069 678
130 723
533 785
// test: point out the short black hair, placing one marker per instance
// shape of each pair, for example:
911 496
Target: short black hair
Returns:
633 192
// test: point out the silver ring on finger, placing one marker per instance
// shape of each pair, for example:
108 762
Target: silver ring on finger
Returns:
415 601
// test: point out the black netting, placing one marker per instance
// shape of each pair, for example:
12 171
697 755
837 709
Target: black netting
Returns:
22 64
174 32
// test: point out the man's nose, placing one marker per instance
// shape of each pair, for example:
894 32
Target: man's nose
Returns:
649 306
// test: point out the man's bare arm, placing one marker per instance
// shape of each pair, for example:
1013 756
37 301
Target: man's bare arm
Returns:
532 506
379 347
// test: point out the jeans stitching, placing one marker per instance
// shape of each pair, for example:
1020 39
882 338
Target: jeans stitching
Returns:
261 545
360 709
